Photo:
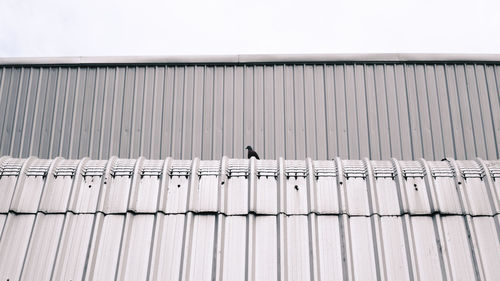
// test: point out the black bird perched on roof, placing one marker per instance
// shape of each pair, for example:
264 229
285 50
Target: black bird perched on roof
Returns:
252 153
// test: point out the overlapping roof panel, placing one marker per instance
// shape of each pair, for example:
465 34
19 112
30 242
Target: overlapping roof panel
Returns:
240 187
239 219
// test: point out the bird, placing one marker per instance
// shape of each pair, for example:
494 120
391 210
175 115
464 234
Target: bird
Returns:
252 153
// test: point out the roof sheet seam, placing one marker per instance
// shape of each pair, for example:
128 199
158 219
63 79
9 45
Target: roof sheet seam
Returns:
249 213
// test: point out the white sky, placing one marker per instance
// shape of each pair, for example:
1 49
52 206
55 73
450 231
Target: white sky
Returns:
31 28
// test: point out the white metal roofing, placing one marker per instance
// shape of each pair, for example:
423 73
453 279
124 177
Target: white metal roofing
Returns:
239 219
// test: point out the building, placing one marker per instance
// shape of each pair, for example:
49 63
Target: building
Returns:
132 169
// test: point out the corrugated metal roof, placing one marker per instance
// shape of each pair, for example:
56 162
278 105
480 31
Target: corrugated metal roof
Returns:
316 109
238 219
263 187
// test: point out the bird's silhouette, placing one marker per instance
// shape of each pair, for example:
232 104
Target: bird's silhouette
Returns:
252 153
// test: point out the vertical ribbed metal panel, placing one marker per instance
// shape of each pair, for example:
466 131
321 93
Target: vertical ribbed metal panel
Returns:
14 243
42 251
355 110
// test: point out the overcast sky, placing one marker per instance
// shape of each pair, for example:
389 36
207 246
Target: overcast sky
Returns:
30 28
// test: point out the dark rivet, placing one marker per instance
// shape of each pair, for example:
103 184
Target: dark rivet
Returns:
90 186
296 187
178 185
222 183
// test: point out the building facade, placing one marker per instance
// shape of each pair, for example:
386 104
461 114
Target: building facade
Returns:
406 107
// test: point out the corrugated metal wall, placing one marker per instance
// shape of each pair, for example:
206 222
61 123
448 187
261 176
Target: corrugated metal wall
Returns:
295 111
239 219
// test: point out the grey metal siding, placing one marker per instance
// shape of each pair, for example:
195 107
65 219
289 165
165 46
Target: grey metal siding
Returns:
318 110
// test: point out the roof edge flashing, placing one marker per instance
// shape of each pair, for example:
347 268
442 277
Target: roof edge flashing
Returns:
253 59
